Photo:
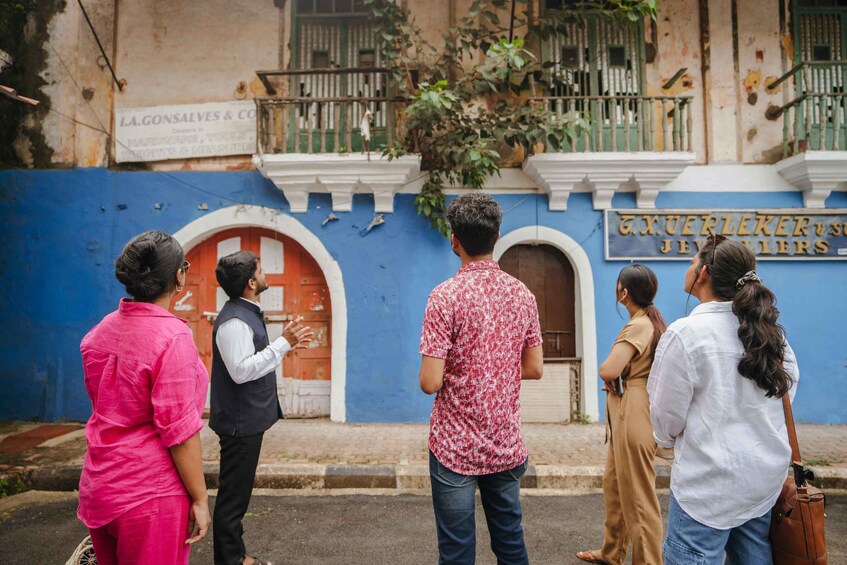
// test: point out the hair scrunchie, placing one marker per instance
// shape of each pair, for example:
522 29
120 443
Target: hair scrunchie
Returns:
748 277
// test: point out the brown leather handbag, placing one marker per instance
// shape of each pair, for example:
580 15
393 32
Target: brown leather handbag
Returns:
797 528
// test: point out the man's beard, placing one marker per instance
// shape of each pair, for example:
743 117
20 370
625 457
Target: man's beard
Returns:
261 289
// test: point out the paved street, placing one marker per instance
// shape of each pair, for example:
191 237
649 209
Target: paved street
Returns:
345 529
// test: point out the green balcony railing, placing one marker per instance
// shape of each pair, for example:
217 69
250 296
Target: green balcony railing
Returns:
816 119
322 110
324 125
627 122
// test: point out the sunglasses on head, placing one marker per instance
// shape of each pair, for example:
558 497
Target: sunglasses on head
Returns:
185 266
716 240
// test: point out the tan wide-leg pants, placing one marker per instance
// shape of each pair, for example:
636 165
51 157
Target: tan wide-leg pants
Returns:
629 484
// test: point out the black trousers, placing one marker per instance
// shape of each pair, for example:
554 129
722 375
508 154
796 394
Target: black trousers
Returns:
239 458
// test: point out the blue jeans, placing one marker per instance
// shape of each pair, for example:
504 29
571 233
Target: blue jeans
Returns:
691 543
453 500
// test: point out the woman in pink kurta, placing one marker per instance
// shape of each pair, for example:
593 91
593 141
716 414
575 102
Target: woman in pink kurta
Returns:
142 492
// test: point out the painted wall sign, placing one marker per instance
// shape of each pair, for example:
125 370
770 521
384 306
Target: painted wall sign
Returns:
786 234
159 133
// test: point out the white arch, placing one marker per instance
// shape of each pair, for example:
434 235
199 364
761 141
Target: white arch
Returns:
586 339
256 216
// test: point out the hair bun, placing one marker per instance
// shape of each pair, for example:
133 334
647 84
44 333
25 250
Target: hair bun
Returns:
146 256
136 262
148 263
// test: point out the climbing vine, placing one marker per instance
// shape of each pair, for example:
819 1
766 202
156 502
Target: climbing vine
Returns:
469 98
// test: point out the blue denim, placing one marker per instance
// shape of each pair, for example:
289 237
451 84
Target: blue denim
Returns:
453 501
691 543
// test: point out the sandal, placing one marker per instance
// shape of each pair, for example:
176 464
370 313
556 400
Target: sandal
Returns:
590 556
257 561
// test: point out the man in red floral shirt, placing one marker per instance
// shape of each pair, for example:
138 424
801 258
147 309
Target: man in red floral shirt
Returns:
480 337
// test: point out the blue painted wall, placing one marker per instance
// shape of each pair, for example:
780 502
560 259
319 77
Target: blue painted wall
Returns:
61 231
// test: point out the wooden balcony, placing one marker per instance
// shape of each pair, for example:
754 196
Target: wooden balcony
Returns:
627 123
816 118
321 111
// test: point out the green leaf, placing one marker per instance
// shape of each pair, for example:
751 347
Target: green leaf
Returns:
491 17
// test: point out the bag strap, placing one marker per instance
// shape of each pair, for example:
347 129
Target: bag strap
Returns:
792 431
796 461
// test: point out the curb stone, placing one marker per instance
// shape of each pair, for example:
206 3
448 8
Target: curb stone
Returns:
64 478
312 476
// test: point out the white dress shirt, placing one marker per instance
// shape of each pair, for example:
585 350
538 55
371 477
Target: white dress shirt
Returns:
235 342
730 441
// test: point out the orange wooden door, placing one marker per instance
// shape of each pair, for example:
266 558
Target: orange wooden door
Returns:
297 287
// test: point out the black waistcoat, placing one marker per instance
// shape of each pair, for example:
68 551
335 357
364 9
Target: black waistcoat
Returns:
239 410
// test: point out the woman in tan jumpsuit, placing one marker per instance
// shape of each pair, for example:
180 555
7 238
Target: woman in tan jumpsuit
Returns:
629 491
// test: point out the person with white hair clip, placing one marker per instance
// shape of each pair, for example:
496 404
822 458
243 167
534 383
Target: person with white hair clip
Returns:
715 396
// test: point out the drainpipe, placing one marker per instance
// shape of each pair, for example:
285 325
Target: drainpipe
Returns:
705 65
111 146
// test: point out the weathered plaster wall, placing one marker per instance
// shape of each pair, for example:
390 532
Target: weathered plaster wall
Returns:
61 67
195 52
192 52
675 36
184 52
720 86
60 226
23 36
80 84
742 53
62 48
434 22
760 61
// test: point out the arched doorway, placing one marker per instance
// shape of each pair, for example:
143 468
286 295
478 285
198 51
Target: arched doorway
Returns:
550 277
297 288
585 337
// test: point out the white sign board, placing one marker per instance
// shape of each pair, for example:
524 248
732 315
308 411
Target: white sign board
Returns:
159 133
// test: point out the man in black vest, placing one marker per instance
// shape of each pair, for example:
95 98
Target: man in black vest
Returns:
244 399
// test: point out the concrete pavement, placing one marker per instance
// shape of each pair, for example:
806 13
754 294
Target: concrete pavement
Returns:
318 454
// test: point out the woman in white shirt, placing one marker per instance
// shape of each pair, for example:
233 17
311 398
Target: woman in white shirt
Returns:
715 389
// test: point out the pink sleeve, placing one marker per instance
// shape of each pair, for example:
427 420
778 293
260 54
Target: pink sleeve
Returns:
533 331
437 327
174 391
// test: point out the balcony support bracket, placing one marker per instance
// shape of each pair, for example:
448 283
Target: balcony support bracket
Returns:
604 175
816 174
342 176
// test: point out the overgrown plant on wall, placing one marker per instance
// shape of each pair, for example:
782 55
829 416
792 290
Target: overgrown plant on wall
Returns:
470 97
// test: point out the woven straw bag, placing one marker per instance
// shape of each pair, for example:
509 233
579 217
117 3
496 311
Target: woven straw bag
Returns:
83 554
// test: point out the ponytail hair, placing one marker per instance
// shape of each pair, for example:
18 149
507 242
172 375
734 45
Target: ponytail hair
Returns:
642 284
733 270
659 326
